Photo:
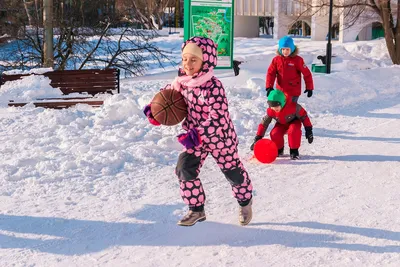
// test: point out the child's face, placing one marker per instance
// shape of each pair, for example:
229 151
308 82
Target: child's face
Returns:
276 109
285 51
191 64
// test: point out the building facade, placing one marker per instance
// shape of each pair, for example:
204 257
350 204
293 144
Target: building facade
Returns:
313 20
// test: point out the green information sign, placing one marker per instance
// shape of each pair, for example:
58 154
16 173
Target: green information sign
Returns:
212 19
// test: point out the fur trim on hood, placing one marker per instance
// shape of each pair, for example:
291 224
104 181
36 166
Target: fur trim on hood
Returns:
293 54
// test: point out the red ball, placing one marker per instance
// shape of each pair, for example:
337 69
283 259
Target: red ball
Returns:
265 151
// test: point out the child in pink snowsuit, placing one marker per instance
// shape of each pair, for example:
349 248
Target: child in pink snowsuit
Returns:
209 130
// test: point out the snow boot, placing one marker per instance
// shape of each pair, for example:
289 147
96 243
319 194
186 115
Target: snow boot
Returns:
192 217
294 154
280 152
245 214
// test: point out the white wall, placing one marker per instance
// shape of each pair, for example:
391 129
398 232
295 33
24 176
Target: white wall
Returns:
319 28
246 26
366 33
349 34
248 11
282 22
254 7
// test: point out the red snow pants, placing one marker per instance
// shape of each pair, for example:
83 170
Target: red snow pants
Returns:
293 131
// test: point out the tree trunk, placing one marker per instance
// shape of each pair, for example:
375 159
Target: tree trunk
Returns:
160 21
145 20
48 33
27 13
82 10
390 31
397 33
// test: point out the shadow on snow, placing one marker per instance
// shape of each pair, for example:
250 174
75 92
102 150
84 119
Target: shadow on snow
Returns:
156 226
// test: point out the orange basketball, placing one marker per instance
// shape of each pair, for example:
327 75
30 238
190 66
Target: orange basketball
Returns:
168 107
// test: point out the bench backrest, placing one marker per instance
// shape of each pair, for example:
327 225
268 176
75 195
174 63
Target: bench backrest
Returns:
78 81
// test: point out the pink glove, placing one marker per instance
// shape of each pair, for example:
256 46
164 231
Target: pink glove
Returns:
190 139
147 112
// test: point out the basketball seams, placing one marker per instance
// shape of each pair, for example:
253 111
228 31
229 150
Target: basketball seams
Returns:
174 111
171 96
165 108
157 103
174 101
169 107
177 100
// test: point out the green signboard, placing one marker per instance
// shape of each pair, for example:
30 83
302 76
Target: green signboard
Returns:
212 19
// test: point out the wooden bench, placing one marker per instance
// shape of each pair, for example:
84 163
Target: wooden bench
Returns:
88 82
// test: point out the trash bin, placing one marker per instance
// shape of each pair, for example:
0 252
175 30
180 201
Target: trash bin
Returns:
318 68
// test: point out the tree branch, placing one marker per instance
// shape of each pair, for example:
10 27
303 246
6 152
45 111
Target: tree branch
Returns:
96 46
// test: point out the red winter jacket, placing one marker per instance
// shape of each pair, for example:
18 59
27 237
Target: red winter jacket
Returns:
287 71
290 112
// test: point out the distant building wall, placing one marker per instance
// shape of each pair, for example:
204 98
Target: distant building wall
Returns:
362 29
246 26
285 12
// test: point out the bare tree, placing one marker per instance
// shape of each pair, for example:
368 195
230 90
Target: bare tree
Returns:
356 10
147 12
157 10
80 43
391 28
132 52
27 4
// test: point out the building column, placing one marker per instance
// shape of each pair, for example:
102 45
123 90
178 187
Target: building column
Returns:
319 27
319 22
348 31
303 28
365 33
246 26
282 22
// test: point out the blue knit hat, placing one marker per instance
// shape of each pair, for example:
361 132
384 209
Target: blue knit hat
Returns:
287 42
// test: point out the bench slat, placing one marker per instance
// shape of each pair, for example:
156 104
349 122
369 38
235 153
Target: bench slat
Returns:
82 82
59 104
67 74
81 76
62 98
62 72
94 81
109 74
89 89
72 80
93 92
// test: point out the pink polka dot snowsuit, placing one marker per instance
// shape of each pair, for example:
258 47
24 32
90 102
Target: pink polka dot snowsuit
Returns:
208 113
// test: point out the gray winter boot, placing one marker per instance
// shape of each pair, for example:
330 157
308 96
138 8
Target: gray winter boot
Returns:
192 217
245 214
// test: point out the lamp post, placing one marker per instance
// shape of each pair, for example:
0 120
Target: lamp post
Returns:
169 20
48 33
329 45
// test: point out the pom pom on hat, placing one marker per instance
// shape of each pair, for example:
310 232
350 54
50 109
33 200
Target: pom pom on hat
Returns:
286 42
192 48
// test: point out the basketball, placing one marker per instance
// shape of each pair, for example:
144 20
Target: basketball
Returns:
265 151
168 107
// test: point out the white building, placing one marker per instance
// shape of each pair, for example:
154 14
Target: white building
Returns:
286 12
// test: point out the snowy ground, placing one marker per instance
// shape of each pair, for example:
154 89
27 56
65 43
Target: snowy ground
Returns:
96 187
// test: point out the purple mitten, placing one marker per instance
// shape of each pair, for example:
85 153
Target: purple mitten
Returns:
190 139
147 112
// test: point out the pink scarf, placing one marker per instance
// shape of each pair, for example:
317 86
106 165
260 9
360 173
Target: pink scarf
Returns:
188 81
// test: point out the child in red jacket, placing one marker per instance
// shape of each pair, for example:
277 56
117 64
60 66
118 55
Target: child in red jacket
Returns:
289 116
286 68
